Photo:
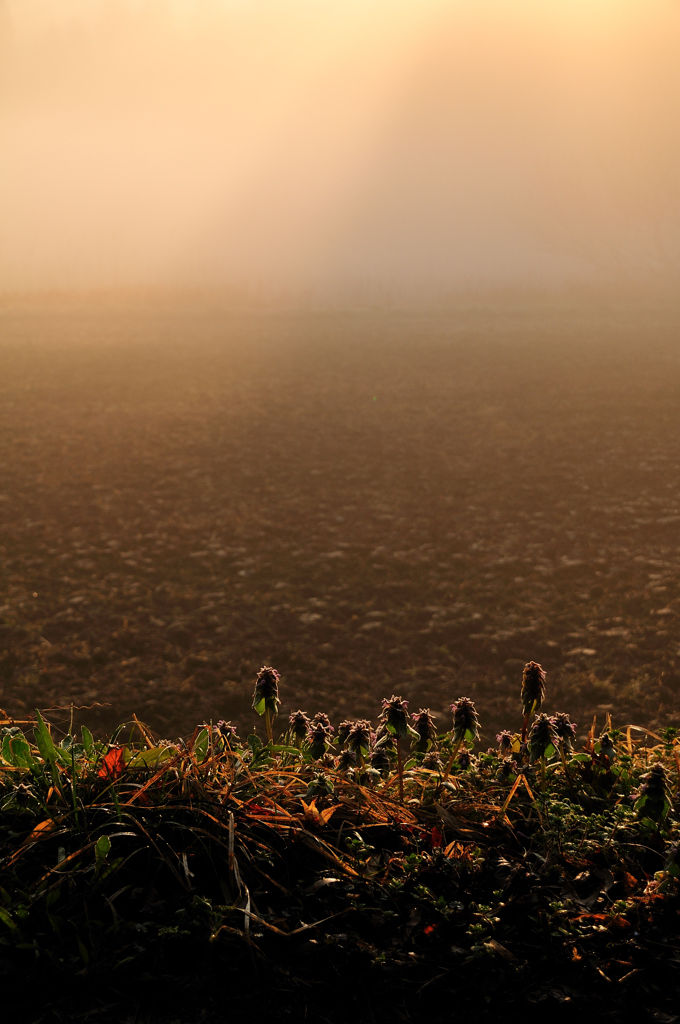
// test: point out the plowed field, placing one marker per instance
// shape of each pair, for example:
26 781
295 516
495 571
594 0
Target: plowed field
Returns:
373 503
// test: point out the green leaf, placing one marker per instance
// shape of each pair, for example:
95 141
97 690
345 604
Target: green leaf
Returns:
279 748
7 751
255 743
43 740
88 743
6 918
102 848
51 898
151 758
21 752
402 730
260 706
261 757
64 757
56 923
46 747
201 743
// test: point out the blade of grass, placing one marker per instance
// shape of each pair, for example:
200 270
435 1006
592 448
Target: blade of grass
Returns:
148 738
167 765
506 804
45 745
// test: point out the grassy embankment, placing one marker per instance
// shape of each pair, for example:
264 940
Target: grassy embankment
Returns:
356 874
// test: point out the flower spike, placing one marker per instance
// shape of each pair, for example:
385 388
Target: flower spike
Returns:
533 692
266 696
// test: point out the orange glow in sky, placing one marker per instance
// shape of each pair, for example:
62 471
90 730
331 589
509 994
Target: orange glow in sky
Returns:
309 143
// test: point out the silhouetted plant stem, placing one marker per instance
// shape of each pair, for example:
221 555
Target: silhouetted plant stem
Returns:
452 759
567 773
268 724
400 770
116 801
74 784
506 803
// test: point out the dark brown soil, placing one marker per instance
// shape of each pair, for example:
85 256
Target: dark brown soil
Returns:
370 502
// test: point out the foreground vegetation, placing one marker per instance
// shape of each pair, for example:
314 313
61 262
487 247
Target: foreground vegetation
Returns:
358 873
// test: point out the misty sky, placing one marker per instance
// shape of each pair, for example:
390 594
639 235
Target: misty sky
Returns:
316 144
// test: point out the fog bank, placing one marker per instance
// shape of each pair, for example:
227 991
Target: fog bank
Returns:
416 144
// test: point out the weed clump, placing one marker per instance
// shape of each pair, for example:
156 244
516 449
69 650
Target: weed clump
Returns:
325 856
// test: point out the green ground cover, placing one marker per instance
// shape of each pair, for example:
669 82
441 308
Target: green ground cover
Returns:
364 873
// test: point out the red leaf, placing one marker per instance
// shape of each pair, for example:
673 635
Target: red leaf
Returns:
113 764
437 838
